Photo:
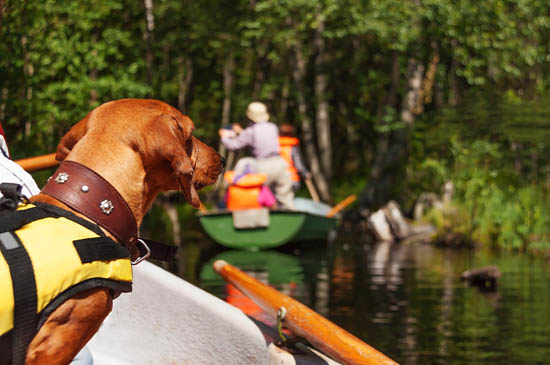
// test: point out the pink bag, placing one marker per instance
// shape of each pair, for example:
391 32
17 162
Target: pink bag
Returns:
266 197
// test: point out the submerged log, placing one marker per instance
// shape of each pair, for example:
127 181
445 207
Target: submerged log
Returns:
484 277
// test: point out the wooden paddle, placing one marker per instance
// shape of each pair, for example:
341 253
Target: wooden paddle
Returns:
38 162
312 190
344 203
334 341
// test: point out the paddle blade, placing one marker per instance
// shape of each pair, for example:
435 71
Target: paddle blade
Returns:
344 203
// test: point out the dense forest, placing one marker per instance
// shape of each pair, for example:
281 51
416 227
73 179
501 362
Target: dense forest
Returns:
389 98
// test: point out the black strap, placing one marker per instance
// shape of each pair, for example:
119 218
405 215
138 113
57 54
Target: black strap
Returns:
11 191
161 251
25 318
11 196
99 249
60 212
17 219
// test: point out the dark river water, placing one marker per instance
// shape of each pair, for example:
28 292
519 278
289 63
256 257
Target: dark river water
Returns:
408 301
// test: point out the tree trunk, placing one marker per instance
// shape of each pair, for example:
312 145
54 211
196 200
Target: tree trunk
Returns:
3 104
285 92
28 70
516 148
298 73
150 26
369 195
426 91
2 9
93 73
228 68
414 94
393 146
93 92
185 66
165 201
453 84
259 77
322 115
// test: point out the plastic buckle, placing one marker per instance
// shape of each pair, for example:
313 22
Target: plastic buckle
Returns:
144 257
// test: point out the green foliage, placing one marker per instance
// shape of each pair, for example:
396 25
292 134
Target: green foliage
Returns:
489 207
485 123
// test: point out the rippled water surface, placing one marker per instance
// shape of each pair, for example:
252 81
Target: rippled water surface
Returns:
406 300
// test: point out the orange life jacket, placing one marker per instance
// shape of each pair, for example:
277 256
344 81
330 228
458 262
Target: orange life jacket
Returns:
244 193
285 149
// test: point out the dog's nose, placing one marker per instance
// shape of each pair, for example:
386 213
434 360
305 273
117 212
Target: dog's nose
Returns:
223 161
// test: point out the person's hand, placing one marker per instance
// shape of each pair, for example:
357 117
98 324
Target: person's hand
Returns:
308 176
237 128
226 133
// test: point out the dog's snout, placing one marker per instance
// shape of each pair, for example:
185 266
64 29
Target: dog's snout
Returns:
223 161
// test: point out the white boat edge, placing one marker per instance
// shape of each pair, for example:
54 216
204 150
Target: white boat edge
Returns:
166 320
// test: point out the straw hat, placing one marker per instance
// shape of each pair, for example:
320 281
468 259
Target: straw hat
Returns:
257 112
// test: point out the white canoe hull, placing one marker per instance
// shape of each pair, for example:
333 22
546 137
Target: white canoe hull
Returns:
166 320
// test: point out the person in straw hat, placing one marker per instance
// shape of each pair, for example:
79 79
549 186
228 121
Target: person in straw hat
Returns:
262 138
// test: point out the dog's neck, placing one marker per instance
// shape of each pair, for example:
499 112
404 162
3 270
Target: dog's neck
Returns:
89 194
134 192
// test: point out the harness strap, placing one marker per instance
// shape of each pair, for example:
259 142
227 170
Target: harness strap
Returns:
99 249
24 294
10 196
18 218
161 251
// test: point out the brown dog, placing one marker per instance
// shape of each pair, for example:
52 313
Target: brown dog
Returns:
141 147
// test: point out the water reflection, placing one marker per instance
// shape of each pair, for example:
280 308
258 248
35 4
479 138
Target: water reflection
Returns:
280 270
406 300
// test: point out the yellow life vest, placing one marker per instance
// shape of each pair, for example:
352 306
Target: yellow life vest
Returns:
68 255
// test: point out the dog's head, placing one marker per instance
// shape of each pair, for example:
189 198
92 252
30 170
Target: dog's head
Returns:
149 136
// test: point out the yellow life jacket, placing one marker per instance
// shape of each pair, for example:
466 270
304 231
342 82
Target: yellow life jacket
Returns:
67 255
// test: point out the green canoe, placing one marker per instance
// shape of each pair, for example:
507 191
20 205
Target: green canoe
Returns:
284 227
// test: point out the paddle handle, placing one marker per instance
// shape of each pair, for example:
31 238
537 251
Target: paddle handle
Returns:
344 203
334 341
38 162
312 190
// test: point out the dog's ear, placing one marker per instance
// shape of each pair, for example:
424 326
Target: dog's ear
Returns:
177 148
184 173
70 139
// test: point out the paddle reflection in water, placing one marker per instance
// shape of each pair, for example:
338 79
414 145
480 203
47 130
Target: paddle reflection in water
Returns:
277 269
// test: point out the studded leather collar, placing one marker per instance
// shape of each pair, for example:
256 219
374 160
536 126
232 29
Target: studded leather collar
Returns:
85 191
